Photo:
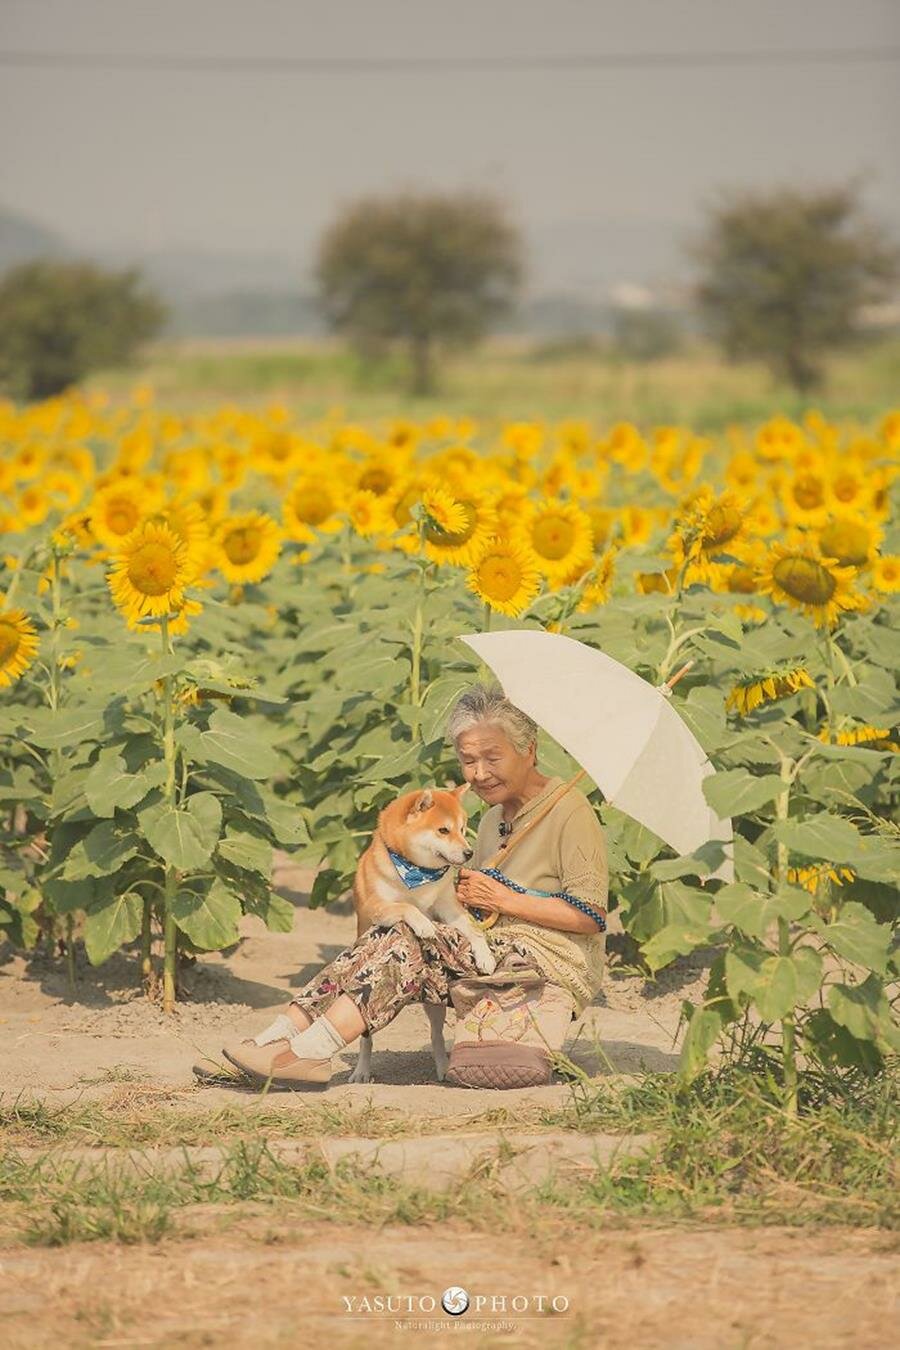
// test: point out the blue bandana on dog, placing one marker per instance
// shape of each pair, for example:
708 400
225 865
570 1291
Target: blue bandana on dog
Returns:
411 874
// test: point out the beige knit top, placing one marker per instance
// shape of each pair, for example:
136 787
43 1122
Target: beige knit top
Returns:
566 851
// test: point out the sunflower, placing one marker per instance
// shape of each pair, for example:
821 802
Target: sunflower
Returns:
117 509
18 644
33 505
277 454
505 576
890 429
150 571
797 574
509 505
560 535
379 473
636 524
456 466
368 513
626 446
310 505
443 510
850 539
28 460
742 472
767 687
462 547
247 546
706 528
598 588
812 878
64 487
886 573
524 439
851 487
188 520
779 439
863 734
805 500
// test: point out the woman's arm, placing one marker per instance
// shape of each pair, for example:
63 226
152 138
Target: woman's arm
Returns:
486 894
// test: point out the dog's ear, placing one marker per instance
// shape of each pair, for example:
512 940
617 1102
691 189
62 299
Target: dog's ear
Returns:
460 792
423 802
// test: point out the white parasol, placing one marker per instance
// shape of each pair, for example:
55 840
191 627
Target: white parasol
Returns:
622 730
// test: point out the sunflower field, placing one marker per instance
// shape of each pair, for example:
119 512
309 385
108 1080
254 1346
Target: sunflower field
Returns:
223 633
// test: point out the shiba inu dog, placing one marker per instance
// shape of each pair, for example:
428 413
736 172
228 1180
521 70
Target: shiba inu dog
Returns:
418 837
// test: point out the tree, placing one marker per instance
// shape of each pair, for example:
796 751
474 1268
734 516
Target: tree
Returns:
61 320
418 269
786 275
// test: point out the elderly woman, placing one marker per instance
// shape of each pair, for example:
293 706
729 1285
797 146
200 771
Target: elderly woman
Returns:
366 985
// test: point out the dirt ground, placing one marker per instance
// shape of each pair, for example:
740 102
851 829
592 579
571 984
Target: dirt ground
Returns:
253 1285
228 1279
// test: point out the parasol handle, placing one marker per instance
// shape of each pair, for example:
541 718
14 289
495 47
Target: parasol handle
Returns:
667 687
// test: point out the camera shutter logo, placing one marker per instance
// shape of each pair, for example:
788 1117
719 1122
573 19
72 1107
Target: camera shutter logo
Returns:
455 1300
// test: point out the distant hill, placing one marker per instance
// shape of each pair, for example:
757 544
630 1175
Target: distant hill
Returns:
22 239
577 270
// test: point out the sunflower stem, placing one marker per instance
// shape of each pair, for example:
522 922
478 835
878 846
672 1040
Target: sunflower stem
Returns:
415 649
56 754
70 951
17 575
837 650
170 935
146 945
346 562
486 622
788 1030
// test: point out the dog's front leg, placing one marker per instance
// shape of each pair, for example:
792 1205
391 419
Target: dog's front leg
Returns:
362 1069
455 916
437 1014
485 960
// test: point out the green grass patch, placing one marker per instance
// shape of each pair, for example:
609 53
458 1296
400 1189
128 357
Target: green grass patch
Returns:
723 1150
503 380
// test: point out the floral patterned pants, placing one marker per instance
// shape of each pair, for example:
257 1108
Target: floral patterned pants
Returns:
387 968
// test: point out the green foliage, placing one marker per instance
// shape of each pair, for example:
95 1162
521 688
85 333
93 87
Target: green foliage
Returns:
419 270
59 321
786 275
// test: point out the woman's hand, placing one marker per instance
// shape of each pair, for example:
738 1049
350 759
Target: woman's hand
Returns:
477 891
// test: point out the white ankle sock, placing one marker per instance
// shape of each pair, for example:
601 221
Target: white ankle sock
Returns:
283 1028
320 1041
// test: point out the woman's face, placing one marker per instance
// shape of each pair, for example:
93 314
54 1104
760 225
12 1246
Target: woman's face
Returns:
491 765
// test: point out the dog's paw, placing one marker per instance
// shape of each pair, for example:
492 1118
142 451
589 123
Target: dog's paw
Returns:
485 961
441 1061
421 926
360 1075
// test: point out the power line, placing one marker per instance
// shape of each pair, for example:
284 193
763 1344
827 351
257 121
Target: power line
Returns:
401 65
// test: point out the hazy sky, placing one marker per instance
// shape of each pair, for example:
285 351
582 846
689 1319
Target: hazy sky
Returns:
258 161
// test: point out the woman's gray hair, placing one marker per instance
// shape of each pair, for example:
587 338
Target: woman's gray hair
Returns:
483 703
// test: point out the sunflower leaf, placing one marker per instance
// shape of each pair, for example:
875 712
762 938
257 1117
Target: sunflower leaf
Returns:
186 836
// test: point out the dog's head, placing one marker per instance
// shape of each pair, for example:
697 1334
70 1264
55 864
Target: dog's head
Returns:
428 827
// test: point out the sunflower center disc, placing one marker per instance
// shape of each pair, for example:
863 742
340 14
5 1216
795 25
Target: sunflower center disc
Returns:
312 506
152 569
122 517
805 580
242 545
553 538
